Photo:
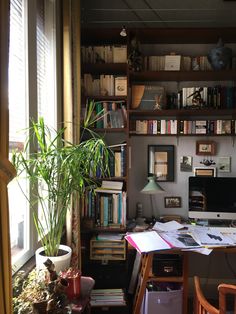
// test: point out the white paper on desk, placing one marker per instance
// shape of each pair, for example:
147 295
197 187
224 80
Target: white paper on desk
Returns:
210 236
180 239
200 250
147 241
167 226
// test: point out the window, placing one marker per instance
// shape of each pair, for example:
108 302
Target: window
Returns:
32 93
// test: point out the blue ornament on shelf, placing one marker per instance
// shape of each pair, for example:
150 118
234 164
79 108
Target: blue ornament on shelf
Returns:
220 57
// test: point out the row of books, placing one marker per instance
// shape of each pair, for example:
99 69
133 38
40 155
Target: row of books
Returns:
106 205
162 126
104 54
184 63
167 126
217 127
111 114
105 85
179 62
214 97
148 97
117 160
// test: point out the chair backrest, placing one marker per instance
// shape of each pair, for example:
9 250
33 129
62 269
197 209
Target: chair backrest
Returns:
202 306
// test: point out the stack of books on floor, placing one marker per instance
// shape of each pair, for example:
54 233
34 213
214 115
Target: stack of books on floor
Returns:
107 297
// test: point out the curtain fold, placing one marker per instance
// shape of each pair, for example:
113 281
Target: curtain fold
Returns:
71 108
7 171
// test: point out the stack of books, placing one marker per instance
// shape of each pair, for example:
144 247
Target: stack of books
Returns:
107 297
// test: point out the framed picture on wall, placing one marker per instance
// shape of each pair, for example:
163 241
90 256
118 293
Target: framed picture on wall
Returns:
224 164
172 202
161 162
205 148
205 172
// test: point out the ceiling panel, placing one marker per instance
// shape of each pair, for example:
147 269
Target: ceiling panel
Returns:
162 13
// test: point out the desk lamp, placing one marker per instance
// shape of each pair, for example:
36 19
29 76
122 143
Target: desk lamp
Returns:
151 188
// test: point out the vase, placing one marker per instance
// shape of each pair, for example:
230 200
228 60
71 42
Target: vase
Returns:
61 261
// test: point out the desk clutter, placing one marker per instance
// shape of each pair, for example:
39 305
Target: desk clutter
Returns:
170 235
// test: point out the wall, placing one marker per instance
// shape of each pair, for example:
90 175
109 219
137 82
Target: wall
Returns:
185 145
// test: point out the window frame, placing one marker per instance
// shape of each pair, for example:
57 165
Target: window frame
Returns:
30 27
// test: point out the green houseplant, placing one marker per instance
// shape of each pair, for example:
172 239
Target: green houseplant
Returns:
57 169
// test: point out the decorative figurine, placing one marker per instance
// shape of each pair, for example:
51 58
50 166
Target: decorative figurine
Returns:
135 59
197 99
220 57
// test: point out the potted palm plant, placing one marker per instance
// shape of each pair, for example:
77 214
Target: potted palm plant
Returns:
56 170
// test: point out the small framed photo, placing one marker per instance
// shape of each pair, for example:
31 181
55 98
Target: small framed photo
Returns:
205 172
172 202
186 163
205 148
224 164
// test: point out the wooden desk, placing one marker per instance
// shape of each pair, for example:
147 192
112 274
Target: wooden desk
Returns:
146 275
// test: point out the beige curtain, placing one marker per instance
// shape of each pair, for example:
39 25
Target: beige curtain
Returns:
7 172
71 107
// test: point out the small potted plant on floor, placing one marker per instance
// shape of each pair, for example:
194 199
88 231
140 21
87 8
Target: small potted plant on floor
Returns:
56 169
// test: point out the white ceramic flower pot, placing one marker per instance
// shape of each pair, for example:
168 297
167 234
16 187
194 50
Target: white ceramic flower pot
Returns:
61 262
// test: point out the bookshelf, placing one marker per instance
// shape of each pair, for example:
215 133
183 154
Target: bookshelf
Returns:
186 42
106 260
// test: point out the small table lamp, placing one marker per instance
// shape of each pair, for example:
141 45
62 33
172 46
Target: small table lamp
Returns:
152 188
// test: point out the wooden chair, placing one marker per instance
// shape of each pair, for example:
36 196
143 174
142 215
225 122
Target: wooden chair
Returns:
202 306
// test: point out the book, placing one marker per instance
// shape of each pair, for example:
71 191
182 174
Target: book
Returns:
119 53
172 62
121 86
150 241
148 97
147 241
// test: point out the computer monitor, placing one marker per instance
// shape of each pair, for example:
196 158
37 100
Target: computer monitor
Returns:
212 198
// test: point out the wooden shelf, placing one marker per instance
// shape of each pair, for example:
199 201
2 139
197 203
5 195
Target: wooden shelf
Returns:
188 113
107 98
104 68
111 130
226 75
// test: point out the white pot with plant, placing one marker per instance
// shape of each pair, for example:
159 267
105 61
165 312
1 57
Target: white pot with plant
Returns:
56 170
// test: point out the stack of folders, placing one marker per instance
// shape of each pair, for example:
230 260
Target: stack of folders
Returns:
107 297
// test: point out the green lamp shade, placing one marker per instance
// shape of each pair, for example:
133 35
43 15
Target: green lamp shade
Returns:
152 187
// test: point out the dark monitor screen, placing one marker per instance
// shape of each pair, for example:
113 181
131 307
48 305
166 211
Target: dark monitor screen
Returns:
212 197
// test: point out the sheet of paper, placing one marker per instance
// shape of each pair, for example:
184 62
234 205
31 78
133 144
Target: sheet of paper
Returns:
200 250
180 239
147 241
210 236
167 226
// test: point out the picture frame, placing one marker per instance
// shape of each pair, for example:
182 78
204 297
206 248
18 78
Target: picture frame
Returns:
205 148
205 172
224 164
186 163
172 201
161 162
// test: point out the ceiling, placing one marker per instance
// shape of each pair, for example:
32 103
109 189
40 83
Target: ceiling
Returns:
158 13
